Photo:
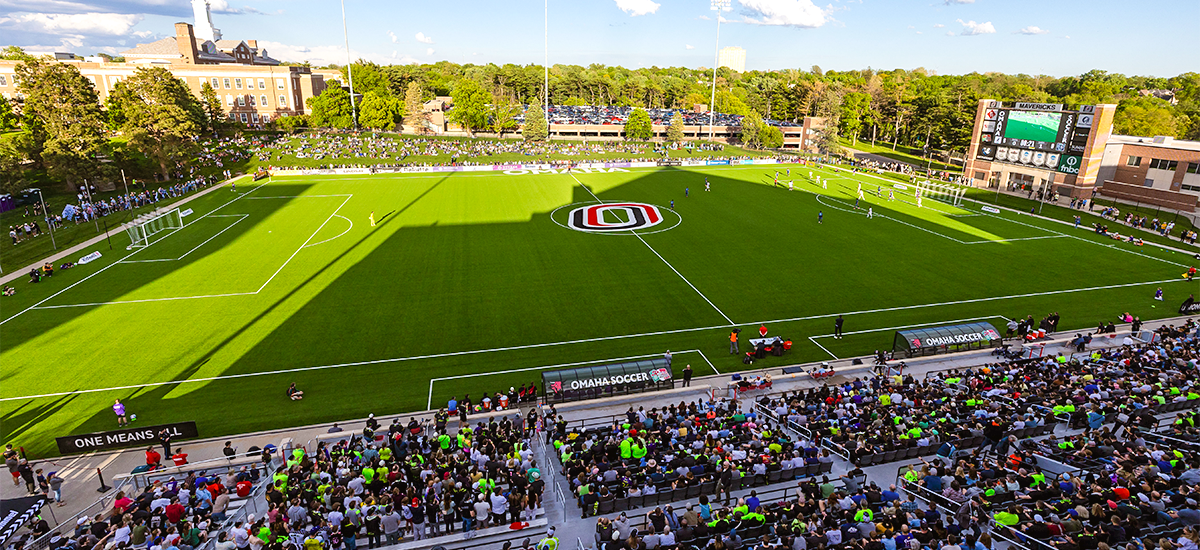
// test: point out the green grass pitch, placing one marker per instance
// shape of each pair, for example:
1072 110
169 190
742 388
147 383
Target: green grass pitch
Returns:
471 282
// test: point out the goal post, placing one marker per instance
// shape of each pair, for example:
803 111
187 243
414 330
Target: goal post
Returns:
950 194
143 228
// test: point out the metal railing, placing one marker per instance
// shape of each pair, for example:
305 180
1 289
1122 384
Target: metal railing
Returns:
102 506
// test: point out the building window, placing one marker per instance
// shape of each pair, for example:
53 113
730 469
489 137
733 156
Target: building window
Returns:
232 116
215 83
229 100
237 83
1193 167
241 101
226 83
279 83
243 117
262 100
254 117
1148 183
251 96
1164 164
3 80
266 119
1187 187
1133 161
283 101
249 83
262 83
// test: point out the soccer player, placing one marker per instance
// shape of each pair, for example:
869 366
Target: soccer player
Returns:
672 204
824 184
371 217
706 184
791 185
860 193
891 195
1158 294
233 186
119 410
686 191
820 216
789 172
870 212
856 203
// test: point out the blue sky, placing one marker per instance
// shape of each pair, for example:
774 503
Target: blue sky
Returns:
1054 37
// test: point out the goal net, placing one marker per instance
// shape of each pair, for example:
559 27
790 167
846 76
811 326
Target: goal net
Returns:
142 229
950 194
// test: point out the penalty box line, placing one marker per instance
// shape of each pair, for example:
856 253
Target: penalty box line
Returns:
664 260
226 295
813 339
147 247
429 403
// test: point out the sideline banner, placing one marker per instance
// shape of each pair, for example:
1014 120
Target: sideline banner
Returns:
116 439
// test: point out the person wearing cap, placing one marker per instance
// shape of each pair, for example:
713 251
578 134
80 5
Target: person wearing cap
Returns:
550 542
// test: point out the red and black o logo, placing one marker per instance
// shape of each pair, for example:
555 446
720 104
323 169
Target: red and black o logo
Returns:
614 217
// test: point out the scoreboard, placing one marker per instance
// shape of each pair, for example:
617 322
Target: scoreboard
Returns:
1040 135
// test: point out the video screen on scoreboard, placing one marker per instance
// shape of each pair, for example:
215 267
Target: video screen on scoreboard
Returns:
1033 126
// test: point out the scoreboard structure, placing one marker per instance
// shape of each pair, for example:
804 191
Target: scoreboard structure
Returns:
1038 146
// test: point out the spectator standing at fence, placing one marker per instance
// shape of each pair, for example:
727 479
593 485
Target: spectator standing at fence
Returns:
164 438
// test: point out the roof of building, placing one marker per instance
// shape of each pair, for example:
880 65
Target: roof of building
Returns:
164 47
1165 142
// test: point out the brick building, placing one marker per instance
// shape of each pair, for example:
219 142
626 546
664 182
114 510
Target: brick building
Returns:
254 88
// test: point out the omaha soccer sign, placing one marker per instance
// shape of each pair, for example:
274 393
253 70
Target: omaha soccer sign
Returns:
614 217
607 380
932 340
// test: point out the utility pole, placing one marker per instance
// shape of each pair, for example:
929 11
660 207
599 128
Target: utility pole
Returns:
349 68
717 6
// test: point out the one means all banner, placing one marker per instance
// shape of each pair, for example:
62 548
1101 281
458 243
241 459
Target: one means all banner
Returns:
129 437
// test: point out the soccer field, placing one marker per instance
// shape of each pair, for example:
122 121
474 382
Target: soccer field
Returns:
474 282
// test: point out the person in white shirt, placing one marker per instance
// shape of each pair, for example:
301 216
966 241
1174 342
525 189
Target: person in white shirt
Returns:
667 538
499 509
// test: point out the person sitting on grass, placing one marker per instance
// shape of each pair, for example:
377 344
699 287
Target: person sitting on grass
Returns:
48 269
293 393
35 275
8 291
66 265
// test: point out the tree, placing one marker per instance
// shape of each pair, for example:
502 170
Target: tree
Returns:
751 129
470 105
1145 116
639 127
12 173
331 109
290 123
770 137
501 116
829 107
415 117
62 113
15 53
536 128
214 113
8 119
379 111
675 130
855 107
162 117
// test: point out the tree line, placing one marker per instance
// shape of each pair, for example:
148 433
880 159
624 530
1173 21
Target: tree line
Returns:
905 107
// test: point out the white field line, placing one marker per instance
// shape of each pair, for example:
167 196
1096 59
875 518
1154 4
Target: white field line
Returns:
813 339
338 235
240 218
664 260
310 237
546 367
105 268
589 340
1098 243
173 298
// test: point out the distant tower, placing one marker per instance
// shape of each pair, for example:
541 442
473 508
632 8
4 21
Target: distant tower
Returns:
204 26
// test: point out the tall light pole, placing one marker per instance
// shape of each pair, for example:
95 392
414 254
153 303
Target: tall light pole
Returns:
349 68
717 6
546 70
46 218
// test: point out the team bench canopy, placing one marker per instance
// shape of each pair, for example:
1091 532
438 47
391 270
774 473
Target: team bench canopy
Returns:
605 380
945 339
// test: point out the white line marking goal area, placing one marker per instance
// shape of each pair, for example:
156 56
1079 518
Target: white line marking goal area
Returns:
429 403
220 290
